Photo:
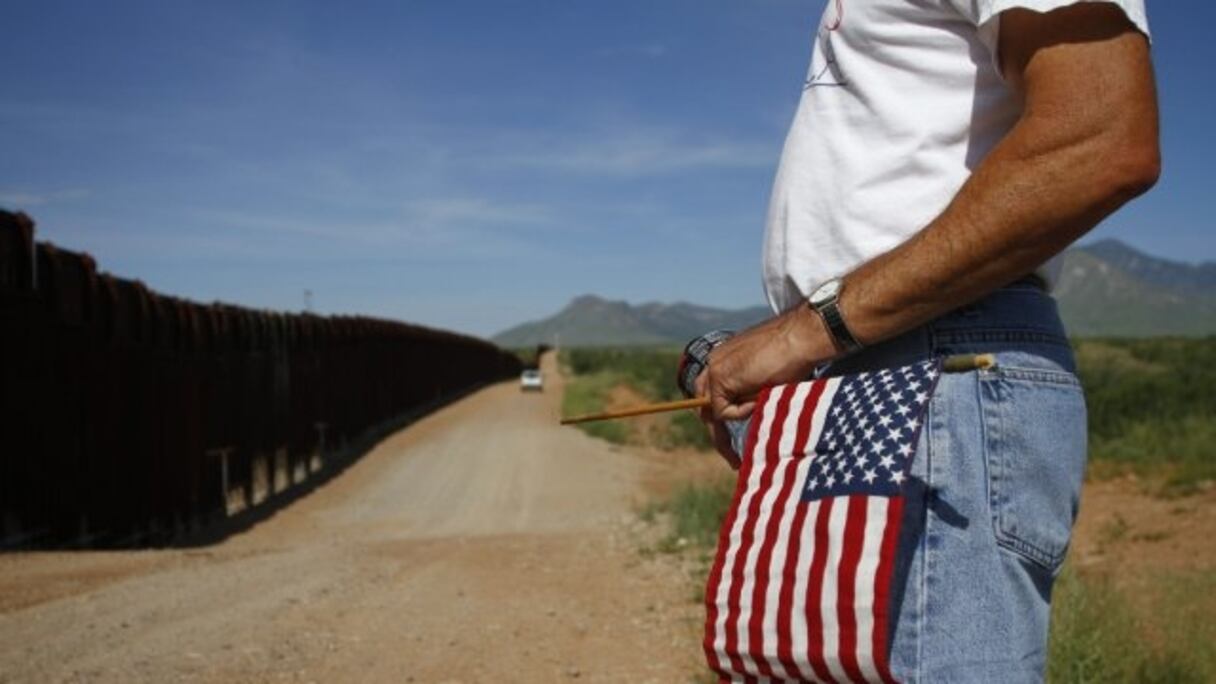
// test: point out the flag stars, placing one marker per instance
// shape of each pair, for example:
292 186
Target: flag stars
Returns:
867 442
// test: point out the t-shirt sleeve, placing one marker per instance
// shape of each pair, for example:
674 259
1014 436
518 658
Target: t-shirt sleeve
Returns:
986 14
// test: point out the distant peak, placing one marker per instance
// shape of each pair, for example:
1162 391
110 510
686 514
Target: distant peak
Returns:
1112 245
584 300
590 301
592 320
1174 276
1114 248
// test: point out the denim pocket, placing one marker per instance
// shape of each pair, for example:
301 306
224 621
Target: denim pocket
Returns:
1034 442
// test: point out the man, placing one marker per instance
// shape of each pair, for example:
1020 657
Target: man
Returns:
943 152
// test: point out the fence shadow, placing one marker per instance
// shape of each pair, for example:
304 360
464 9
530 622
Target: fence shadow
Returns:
334 464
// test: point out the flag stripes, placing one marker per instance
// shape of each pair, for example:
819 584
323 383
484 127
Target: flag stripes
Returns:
799 589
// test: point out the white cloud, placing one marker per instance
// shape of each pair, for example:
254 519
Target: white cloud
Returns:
21 199
454 228
478 210
639 153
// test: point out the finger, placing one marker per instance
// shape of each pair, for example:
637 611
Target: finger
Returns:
703 385
725 408
722 442
718 403
739 411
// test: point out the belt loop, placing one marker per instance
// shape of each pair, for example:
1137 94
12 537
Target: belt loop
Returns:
929 333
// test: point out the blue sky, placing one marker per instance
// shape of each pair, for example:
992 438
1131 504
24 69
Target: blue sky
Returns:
461 164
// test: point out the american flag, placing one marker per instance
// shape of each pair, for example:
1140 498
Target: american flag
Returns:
799 590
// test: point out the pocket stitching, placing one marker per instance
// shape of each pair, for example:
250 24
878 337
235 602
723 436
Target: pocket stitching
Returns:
1034 375
999 468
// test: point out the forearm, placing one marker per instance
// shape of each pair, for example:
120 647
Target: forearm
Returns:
1022 206
1056 175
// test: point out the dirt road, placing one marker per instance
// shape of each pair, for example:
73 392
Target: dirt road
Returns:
482 543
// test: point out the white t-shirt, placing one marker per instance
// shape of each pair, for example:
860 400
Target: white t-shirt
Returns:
903 99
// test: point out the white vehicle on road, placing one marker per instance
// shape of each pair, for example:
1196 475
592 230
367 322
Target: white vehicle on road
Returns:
532 380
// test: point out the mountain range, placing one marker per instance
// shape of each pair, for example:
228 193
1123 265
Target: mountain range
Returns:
1106 288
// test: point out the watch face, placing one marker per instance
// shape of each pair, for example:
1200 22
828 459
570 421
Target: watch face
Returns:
826 292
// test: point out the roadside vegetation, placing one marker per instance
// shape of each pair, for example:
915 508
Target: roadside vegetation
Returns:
528 356
1152 416
1100 633
1152 404
647 373
1152 410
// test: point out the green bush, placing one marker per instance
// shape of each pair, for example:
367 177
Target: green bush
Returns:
1152 406
1097 635
687 430
697 512
1158 380
586 394
650 370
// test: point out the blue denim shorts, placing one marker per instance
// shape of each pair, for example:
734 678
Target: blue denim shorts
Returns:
994 492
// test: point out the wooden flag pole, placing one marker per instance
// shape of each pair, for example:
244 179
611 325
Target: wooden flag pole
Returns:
960 363
642 410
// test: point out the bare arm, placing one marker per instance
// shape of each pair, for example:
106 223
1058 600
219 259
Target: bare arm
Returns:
1085 144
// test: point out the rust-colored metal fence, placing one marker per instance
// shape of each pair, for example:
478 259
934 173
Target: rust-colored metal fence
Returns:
131 417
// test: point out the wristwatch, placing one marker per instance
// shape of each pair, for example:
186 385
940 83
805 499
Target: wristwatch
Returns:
824 301
696 357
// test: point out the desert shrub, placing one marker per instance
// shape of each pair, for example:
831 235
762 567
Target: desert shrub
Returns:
587 394
1097 635
697 511
650 370
1152 407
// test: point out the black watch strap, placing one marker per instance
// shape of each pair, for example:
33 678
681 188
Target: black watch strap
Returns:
836 326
